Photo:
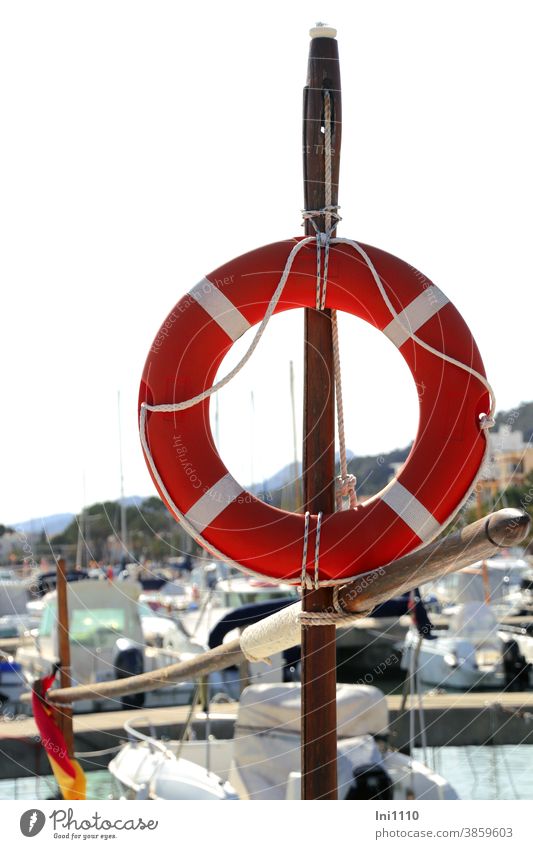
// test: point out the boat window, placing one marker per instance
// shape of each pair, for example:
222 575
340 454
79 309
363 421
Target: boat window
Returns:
47 620
236 599
97 627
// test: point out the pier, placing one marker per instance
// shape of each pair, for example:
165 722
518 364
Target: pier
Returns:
462 719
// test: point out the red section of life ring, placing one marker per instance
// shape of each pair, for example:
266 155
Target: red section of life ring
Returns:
442 465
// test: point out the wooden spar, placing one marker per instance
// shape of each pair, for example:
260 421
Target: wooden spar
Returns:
486 581
227 654
319 665
63 637
481 539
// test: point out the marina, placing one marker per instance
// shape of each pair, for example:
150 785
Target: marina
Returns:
343 626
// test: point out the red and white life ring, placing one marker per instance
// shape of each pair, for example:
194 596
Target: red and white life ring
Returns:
445 458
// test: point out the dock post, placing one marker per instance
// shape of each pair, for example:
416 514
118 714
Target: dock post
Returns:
63 639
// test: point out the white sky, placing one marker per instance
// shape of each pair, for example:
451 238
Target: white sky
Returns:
144 144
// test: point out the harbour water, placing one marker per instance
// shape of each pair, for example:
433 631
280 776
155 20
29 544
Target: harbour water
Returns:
476 772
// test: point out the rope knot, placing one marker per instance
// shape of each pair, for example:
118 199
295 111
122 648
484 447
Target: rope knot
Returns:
486 421
344 485
345 488
331 210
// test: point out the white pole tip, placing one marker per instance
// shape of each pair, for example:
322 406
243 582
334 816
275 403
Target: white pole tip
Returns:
322 31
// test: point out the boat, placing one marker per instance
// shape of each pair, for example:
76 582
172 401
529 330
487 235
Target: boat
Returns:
262 760
170 597
14 595
470 654
496 580
108 641
17 625
224 596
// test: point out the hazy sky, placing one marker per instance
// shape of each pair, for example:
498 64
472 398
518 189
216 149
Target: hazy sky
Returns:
143 145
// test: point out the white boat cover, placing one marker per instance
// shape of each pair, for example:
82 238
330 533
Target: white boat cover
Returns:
361 709
473 621
266 746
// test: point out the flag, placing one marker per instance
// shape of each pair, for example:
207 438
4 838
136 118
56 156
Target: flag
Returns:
67 771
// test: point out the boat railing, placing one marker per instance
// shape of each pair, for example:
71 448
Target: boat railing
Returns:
137 736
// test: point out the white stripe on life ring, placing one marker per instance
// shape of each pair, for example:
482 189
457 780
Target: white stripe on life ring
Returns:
425 306
226 314
411 511
213 502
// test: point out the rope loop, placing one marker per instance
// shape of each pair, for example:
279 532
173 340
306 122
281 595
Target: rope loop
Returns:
345 488
329 617
330 209
306 580
486 421
317 548
323 241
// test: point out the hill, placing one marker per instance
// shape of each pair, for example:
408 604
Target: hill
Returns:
520 418
49 525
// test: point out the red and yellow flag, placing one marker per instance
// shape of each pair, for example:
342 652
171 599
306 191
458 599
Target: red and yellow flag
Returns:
67 771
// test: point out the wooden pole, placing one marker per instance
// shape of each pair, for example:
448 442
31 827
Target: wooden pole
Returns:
319 709
65 677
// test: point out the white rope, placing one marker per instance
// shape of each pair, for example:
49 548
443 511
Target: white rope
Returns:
336 616
345 484
485 421
191 402
306 581
329 212
317 548
328 617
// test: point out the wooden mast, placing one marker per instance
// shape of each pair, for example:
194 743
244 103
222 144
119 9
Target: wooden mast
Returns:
319 709
63 638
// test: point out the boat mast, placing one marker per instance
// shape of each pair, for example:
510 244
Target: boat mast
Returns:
123 525
80 545
296 470
319 709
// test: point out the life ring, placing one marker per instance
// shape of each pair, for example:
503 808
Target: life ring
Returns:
418 319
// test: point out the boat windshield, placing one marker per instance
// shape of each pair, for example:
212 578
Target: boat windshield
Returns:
236 599
98 626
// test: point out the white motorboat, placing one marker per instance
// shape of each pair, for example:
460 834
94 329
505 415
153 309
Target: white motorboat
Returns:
171 597
227 595
497 580
108 641
262 760
469 655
